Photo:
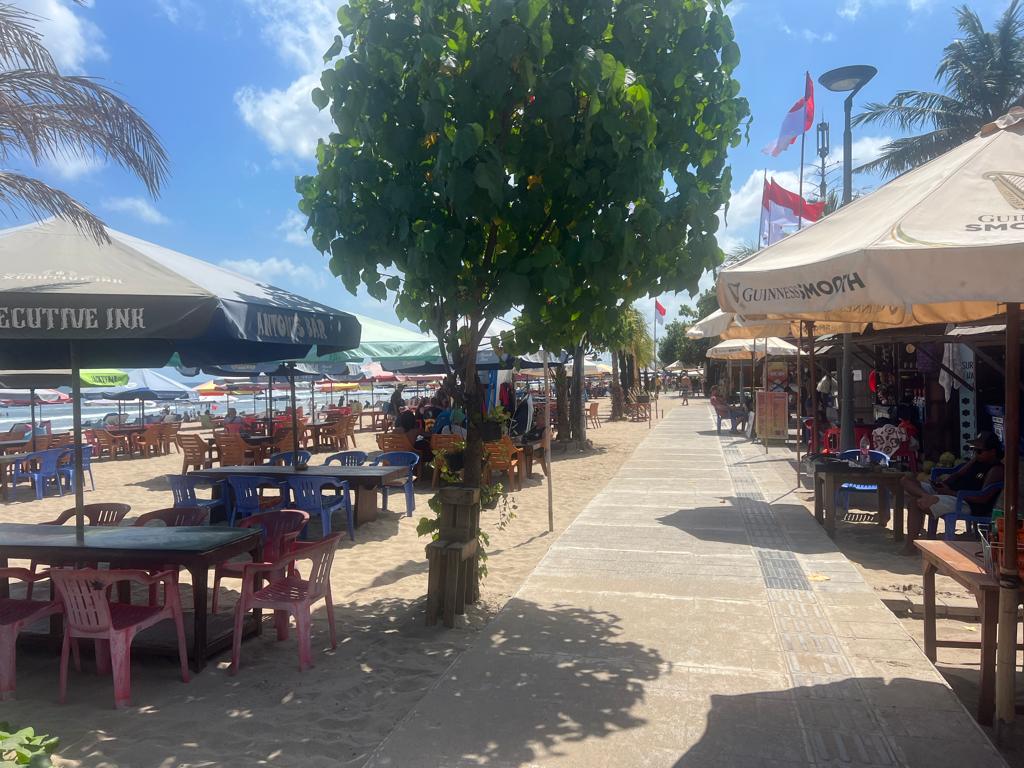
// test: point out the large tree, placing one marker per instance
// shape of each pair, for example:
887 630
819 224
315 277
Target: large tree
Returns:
981 75
45 115
493 155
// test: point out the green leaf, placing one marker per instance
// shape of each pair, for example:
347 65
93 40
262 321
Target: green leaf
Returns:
467 139
320 98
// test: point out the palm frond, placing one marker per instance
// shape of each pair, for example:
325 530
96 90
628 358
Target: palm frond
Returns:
905 154
20 45
48 115
910 110
23 194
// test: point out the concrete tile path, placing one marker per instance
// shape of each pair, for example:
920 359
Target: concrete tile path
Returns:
682 620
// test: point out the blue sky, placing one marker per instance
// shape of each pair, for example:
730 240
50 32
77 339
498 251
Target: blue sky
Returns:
226 84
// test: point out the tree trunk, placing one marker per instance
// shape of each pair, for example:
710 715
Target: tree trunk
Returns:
616 389
469 393
577 415
562 402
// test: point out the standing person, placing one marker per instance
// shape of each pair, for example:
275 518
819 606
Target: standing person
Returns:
684 388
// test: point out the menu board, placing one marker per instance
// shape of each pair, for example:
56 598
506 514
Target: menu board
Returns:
772 409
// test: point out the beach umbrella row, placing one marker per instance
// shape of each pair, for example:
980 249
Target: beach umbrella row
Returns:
939 244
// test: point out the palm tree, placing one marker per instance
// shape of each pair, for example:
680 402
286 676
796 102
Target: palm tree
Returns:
982 76
45 115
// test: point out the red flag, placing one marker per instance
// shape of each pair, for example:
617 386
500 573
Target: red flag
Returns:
798 120
782 210
659 310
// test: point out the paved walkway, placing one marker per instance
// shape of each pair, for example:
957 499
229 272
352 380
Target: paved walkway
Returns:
681 620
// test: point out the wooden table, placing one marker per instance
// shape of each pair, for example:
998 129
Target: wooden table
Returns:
829 476
364 480
373 413
962 562
196 549
14 445
315 432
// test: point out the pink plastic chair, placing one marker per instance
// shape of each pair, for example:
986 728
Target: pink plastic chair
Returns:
88 613
280 530
288 593
16 613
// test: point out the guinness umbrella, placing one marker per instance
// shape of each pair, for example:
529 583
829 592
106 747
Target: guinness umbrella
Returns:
732 326
939 244
71 302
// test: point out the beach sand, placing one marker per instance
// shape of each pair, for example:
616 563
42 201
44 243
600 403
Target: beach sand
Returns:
270 714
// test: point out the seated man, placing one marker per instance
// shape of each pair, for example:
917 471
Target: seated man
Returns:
939 499
736 414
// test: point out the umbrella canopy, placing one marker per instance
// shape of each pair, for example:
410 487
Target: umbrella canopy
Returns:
939 244
25 396
146 384
20 379
133 302
678 365
742 349
732 326
384 343
594 368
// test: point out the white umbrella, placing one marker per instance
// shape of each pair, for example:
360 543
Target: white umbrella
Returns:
742 349
939 244
732 326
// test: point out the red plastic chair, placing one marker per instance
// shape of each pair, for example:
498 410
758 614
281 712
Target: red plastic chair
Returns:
97 515
88 613
280 530
14 614
288 593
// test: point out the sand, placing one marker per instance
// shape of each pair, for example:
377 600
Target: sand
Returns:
270 714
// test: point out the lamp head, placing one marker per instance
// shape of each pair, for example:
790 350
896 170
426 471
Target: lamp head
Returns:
851 78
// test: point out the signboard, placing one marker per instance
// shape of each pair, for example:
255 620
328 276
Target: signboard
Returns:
778 375
968 401
772 409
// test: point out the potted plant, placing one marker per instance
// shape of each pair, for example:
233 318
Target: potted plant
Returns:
495 424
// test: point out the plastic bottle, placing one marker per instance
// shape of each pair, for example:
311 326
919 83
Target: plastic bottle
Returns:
865 447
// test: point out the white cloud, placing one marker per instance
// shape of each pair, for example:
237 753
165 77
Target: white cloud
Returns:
181 11
74 167
138 207
273 267
851 9
865 149
70 37
816 37
299 32
285 119
293 229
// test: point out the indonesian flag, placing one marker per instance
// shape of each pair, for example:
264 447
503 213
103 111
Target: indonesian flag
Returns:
659 313
782 211
799 118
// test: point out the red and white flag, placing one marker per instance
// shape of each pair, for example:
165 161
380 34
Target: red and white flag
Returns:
659 313
799 118
782 212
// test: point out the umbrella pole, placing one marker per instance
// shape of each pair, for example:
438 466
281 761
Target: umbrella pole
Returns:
312 398
764 377
814 390
547 444
295 422
1009 577
76 421
799 399
32 414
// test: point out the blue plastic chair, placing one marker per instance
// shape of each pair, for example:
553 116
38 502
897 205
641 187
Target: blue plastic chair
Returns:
67 471
962 497
307 495
399 459
284 458
183 488
347 458
246 499
48 462
842 500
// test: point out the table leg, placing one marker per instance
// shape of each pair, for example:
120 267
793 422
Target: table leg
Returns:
829 502
929 611
5 587
200 574
366 504
989 604
819 492
897 513
883 502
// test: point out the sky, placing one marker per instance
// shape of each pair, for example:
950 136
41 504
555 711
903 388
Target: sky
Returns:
226 85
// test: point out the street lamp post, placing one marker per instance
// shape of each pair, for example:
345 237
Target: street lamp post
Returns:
842 80
823 150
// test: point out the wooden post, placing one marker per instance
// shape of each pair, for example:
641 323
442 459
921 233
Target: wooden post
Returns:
814 391
799 399
1009 577
454 576
547 442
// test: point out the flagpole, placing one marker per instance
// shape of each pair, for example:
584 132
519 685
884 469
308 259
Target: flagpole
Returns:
800 213
764 183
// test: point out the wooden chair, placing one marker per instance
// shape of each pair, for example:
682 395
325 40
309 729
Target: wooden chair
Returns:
592 416
150 442
194 452
169 436
110 444
502 456
445 445
393 441
233 451
282 440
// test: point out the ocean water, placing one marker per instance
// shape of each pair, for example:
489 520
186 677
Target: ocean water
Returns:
60 416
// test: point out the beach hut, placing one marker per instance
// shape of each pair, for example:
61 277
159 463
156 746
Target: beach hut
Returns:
73 302
939 244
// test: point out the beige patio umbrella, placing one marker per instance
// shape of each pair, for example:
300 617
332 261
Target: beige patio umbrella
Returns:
728 325
742 349
942 243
